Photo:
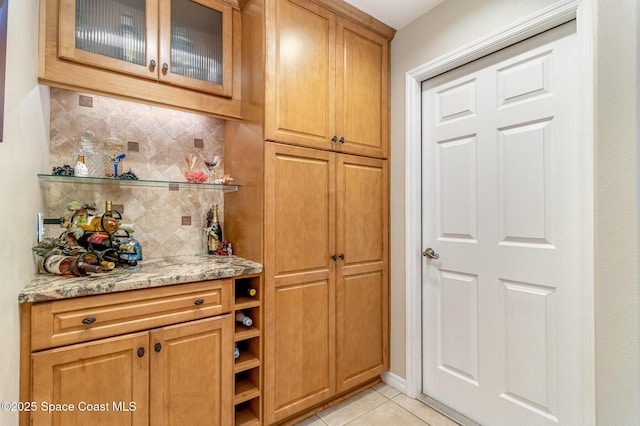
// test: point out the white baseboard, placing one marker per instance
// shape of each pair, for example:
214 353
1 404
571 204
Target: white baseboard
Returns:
394 381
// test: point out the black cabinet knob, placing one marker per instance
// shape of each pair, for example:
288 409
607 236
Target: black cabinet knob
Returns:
152 64
89 320
342 140
198 302
157 347
165 67
140 352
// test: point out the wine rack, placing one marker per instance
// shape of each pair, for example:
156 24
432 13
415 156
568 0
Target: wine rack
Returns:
247 367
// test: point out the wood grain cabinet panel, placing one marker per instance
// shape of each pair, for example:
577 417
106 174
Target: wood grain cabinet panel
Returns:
105 382
327 81
362 297
327 292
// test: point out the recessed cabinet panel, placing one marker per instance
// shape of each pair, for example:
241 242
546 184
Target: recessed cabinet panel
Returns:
203 382
106 381
301 58
362 98
362 196
361 316
301 196
302 347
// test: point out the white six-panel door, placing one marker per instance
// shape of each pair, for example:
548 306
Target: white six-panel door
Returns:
501 203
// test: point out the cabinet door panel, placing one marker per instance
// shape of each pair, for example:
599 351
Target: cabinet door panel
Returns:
105 376
300 74
299 277
362 299
362 85
300 370
300 203
192 373
116 35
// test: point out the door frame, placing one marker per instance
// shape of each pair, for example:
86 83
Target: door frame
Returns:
584 12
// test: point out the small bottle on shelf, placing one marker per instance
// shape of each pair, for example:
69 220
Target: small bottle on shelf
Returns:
243 319
80 169
236 352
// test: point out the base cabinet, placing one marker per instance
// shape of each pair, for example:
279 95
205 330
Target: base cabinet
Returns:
143 369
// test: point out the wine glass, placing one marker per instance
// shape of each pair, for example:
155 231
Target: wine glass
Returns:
211 162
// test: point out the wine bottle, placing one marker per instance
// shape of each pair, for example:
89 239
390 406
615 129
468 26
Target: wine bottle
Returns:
104 223
236 352
246 290
245 320
100 241
214 230
67 265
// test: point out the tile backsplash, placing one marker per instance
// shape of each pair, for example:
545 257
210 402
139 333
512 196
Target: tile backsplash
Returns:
156 141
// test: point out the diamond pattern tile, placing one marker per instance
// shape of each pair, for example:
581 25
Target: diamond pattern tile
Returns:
165 136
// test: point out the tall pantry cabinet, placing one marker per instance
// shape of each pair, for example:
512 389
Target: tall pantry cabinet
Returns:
311 157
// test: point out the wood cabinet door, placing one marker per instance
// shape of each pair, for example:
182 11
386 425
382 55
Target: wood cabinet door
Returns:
299 275
362 91
116 35
102 383
192 373
300 74
362 294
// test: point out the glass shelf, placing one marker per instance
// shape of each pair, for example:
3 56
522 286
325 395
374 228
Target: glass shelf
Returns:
171 185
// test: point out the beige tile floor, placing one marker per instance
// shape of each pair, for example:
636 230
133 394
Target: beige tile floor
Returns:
381 405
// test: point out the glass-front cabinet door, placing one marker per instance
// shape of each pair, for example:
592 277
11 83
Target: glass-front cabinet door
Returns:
120 35
196 44
181 42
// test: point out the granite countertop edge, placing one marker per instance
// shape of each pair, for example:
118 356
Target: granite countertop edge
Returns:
149 273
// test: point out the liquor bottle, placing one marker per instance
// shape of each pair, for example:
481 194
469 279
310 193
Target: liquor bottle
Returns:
67 265
80 169
214 230
245 320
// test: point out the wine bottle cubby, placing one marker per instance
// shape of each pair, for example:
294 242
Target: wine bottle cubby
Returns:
248 339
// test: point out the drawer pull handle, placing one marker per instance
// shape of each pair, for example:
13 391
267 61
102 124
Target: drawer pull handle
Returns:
89 320
157 347
198 302
140 352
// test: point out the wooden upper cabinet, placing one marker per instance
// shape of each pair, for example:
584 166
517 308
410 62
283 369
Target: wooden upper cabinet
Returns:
181 42
362 91
300 74
327 81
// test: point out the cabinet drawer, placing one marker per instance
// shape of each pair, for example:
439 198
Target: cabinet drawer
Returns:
68 321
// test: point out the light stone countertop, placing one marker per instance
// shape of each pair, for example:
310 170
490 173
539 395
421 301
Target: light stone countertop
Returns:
148 273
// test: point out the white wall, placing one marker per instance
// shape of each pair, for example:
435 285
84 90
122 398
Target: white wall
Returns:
617 287
617 290
23 154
